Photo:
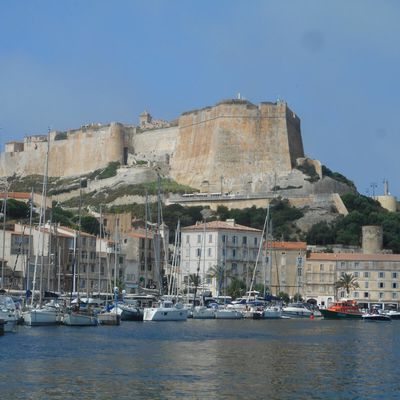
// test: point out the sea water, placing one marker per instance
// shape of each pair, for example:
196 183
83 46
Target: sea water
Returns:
204 359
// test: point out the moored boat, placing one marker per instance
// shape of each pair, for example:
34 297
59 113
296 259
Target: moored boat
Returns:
8 313
376 317
167 311
342 309
296 310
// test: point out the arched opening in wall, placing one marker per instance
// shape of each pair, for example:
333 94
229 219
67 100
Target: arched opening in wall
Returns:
125 155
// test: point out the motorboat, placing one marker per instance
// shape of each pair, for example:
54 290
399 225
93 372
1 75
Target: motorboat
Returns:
376 317
342 309
8 313
393 314
166 311
296 310
130 312
272 312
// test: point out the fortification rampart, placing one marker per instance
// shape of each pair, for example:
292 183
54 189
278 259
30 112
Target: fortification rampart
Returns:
71 153
216 142
234 146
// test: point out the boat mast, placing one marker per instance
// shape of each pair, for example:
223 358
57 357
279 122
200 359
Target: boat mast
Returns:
258 253
4 234
28 257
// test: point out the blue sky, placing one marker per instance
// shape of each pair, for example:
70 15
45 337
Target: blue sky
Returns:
336 63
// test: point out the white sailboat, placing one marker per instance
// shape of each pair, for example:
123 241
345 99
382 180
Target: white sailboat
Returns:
166 309
41 315
77 316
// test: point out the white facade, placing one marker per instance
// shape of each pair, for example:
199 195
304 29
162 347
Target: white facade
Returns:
231 247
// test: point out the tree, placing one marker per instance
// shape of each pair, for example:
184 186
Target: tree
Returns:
284 297
218 272
347 282
236 288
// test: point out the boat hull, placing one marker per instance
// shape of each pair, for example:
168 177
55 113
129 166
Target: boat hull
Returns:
329 314
376 318
165 314
109 318
228 314
203 313
41 317
76 319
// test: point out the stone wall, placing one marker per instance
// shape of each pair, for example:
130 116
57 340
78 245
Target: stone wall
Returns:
72 153
215 143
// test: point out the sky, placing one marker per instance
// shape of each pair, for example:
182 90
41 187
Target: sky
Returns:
64 64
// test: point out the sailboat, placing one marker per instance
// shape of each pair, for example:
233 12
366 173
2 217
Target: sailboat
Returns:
76 315
47 314
166 309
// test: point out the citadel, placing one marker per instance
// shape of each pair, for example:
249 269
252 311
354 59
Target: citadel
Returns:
203 149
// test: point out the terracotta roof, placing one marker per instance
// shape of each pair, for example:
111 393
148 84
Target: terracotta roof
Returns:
140 233
352 257
16 195
220 225
288 245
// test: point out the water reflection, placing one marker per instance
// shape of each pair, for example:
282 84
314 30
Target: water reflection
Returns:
203 359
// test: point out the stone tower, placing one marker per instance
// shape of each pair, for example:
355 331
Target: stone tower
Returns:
372 239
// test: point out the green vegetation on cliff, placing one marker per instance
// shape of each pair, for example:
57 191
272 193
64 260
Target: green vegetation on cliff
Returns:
347 230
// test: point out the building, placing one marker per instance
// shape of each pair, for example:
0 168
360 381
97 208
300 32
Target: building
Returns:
218 251
285 262
376 272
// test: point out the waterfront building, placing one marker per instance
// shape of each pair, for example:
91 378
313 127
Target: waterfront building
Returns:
376 271
284 267
218 251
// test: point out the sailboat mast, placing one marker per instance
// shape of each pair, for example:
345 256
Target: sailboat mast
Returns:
100 243
4 235
158 247
42 219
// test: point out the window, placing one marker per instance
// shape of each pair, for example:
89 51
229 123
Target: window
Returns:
187 239
19 244
356 274
381 275
92 268
210 238
321 267
255 241
394 295
198 252
223 239
356 264
366 285
244 240
209 252
366 295
356 295
342 264
366 274
198 238
121 260
394 285
381 285
381 295
234 239
394 275
233 253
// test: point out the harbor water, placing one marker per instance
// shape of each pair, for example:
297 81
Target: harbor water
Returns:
204 359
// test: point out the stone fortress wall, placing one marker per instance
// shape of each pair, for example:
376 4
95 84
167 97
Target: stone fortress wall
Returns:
233 146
